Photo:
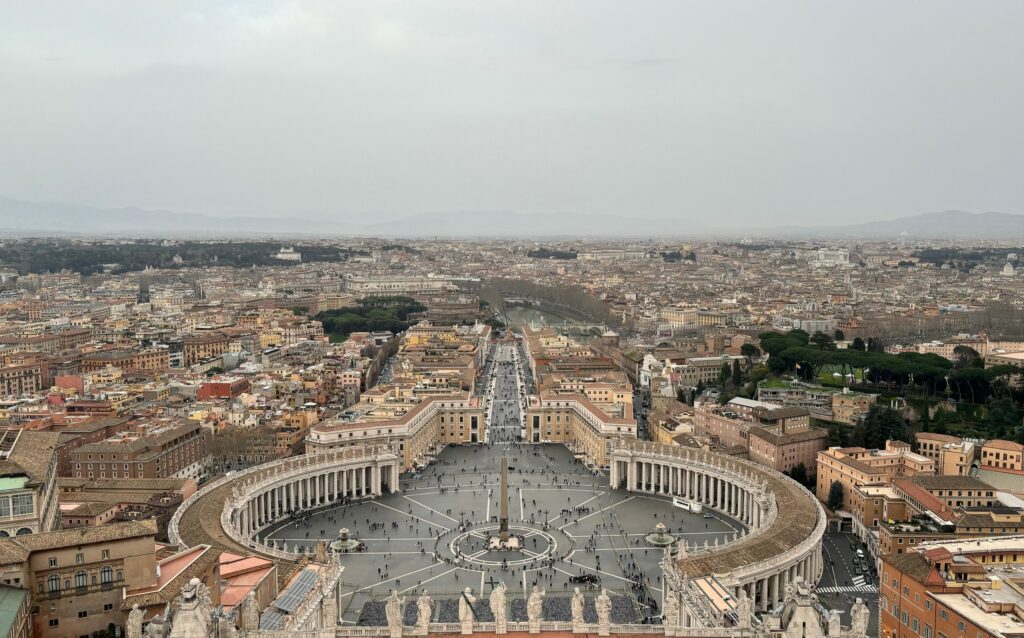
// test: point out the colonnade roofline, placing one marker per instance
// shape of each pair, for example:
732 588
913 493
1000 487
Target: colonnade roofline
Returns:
193 523
789 544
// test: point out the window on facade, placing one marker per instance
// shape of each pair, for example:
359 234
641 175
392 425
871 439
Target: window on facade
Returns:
106 575
53 583
79 558
81 580
53 562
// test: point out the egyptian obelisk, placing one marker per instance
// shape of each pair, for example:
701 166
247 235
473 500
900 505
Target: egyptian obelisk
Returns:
503 505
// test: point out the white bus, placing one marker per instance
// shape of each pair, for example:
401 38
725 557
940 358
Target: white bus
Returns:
689 506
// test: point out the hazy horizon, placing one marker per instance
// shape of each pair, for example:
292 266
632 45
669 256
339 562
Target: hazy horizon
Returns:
801 113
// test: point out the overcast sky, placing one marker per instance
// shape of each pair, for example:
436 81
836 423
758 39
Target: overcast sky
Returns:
803 112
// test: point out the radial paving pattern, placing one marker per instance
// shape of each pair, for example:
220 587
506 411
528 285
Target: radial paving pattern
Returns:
590 530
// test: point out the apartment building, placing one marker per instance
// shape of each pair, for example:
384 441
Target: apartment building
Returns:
199 347
76 578
157 448
953 588
1002 455
856 466
28 482
998 358
16 380
149 360
418 425
841 406
952 455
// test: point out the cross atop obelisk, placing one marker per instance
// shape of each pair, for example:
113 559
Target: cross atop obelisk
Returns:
503 504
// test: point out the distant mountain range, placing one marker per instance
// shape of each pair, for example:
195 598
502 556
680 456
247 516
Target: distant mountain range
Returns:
36 219
949 224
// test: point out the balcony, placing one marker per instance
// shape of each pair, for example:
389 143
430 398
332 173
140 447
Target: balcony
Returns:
80 591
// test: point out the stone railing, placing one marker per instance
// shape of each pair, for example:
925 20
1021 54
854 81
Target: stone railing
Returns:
591 629
250 479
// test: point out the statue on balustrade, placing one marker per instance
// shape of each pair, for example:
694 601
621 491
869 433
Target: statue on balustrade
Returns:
497 603
424 610
577 609
859 616
393 611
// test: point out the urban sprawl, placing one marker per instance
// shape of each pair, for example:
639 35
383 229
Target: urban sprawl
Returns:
396 438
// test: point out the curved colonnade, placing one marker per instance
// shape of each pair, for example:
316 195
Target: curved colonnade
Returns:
258 497
776 550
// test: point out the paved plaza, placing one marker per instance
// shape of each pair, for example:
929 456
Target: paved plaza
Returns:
590 530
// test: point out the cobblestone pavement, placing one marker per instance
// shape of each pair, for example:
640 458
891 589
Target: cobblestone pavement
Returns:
547 484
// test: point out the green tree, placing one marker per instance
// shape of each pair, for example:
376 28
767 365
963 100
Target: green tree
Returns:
750 351
1003 419
723 374
799 473
858 344
880 425
839 336
823 341
964 356
737 373
835 496
838 436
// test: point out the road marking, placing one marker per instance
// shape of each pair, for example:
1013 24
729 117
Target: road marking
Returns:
430 508
432 523
422 583
399 577
599 511
580 505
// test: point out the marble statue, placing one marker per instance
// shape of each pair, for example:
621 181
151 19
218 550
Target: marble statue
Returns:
393 611
134 629
604 612
466 610
424 610
534 605
577 608
859 615
744 610
834 626
497 603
